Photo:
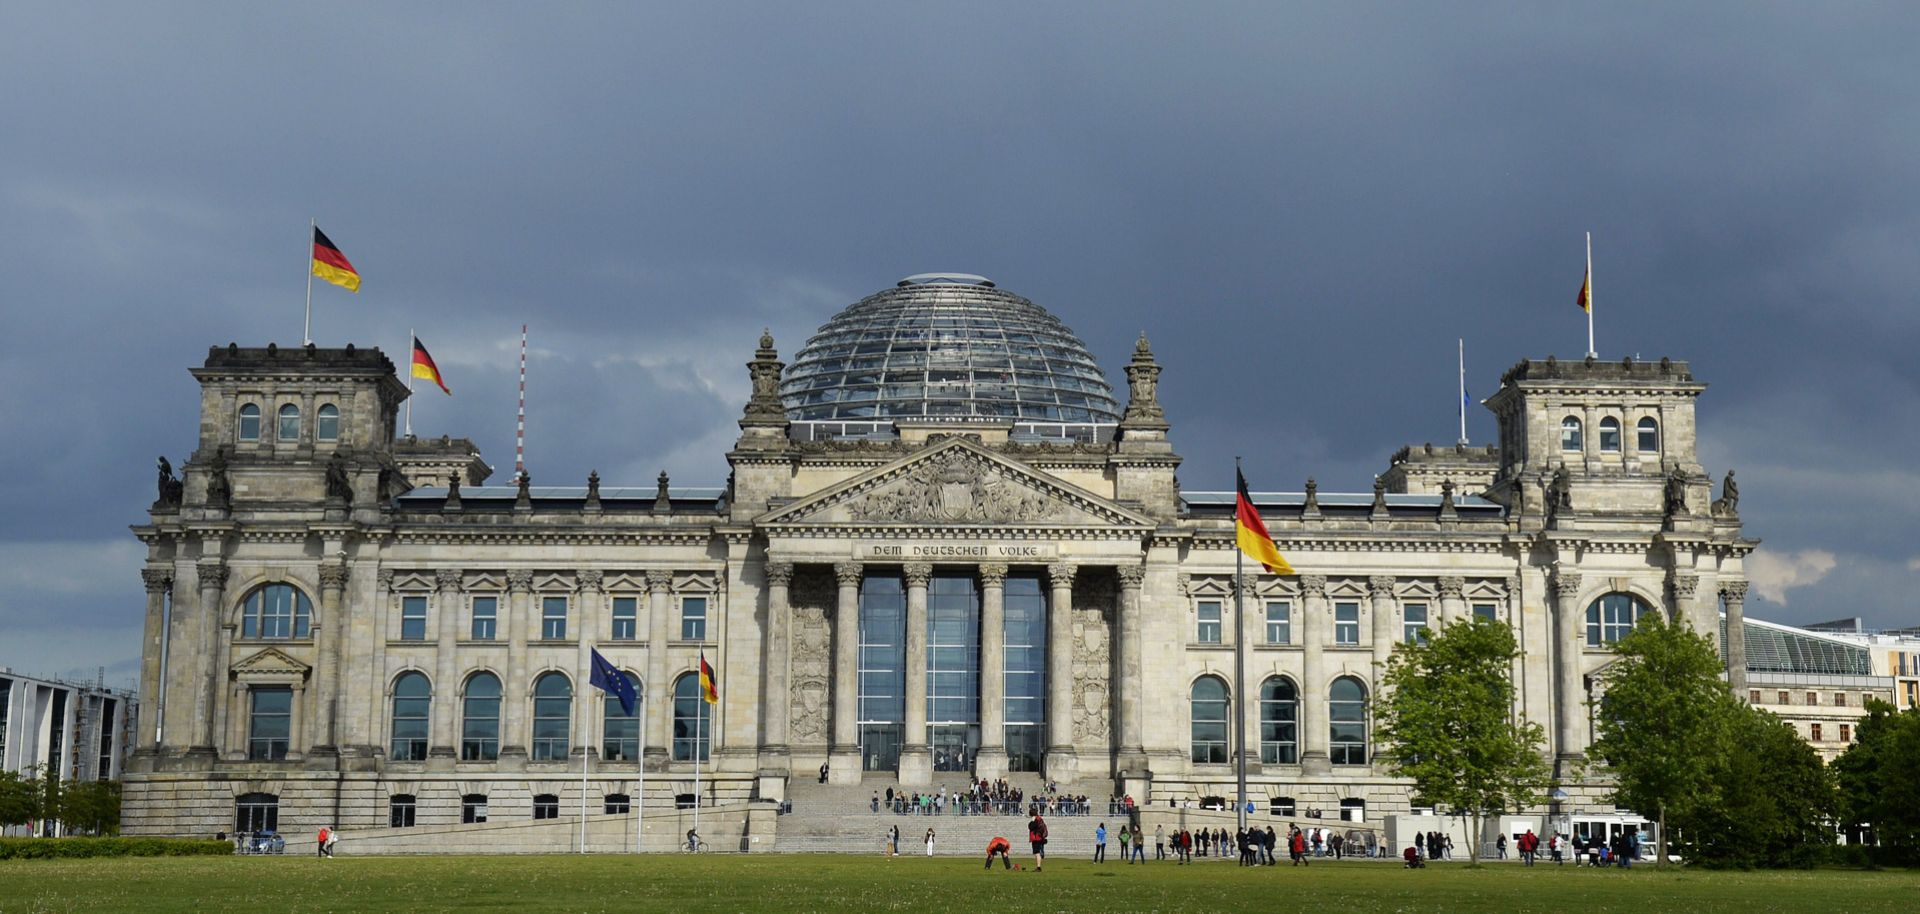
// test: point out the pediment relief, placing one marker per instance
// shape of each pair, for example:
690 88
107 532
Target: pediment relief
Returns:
270 665
956 482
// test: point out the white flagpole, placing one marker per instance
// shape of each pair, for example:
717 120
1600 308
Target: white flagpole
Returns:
697 720
586 753
306 330
1463 390
640 796
1590 349
410 341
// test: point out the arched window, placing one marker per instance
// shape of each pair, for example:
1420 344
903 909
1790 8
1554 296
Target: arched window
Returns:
692 720
1570 438
1279 722
1610 435
289 423
552 710
412 696
276 611
1207 703
1649 435
620 731
256 812
1347 721
480 719
1611 617
326 423
250 422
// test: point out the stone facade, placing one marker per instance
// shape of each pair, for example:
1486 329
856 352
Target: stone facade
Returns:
1555 532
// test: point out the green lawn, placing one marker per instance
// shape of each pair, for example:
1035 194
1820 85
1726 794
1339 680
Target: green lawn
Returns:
863 885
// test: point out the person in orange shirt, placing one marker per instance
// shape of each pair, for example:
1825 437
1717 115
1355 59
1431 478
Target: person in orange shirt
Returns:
999 846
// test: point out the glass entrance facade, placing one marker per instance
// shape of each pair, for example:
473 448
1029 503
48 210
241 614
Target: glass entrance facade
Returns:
883 665
953 671
1026 664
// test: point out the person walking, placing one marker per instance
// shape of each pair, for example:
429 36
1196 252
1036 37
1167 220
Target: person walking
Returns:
333 837
1159 842
1001 846
1037 836
1139 846
320 843
1100 843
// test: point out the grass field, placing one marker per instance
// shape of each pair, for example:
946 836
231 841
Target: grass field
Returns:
865 885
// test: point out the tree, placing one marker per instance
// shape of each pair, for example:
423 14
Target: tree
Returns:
1879 781
1449 717
1771 800
92 807
1661 721
19 799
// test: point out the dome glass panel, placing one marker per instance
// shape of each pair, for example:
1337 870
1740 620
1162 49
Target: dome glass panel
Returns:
947 346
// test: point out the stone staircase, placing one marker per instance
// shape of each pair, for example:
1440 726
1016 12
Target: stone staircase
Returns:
837 819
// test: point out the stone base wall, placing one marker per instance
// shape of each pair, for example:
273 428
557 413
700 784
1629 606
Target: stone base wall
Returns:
733 828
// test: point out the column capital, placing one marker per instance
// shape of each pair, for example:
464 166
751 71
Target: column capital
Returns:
448 579
848 573
779 574
1684 586
1566 583
590 579
1313 585
214 576
333 577
385 578
918 573
1452 586
520 580
1380 585
1061 574
993 574
1733 591
1131 576
659 581
1247 584
158 580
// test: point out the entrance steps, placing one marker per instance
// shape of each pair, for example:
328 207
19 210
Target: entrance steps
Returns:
838 819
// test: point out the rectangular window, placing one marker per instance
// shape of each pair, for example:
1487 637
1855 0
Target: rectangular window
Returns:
1813 698
1846 733
617 804
1346 623
271 723
1279 622
1209 622
546 806
473 808
553 618
1783 698
1487 611
1753 696
626 618
1839 699
486 617
413 618
400 811
1414 628
1813 732
693 619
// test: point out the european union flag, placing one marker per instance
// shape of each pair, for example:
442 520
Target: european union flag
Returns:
609 679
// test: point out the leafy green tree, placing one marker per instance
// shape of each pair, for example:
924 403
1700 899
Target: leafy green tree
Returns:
1771 801
1879 780
1661 720
92 807
19 799
1448 716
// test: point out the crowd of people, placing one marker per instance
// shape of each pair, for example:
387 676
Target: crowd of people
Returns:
990 798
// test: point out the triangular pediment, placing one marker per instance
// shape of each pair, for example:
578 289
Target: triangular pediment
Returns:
956 483
272 663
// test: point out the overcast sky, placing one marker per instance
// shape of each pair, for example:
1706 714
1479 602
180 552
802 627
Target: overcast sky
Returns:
1302 205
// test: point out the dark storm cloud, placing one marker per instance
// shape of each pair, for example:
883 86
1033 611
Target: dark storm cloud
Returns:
1302 205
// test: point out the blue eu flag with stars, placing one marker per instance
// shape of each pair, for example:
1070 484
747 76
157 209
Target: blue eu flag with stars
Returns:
609 679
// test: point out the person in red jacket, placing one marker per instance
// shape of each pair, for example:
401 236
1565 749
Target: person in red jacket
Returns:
999 846
1037 836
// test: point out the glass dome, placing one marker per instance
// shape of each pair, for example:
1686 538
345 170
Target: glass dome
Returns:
947 346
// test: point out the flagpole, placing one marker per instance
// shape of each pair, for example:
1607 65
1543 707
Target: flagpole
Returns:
306 330
1463 390
1239 673
586 755
411 341
1590 349
697 720
640 796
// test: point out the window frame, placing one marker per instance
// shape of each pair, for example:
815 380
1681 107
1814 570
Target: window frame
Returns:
1285 717
1216 747
1410 629
415 749
402 810
553 626
268 747
611 713
1281 627
1610 426
686 693
413 617
1208 630
1347 751
290 621
625 613
475 745
1573 437
327 414
1346 632
250 414
286 417
473 809
555 710
1604 627
491 618
693 625
546 806
1647 426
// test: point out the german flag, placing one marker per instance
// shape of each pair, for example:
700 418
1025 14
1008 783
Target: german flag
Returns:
423 366
1251 533
331 265
708 689
1585 301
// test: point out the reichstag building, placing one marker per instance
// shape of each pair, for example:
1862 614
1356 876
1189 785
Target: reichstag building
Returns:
947 549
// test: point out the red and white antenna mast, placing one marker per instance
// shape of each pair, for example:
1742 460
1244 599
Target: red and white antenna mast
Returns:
520 424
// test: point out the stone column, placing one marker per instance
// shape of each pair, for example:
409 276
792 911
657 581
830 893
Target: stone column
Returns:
1061 764
775 700
1316 617
590 611
1453 601
1735 593
521 617
1569 689
159 582
237 746
1686 609
296 731
213 581
1129 675
916 761
325 738
991 761
1381 614
659 722
844 756
1244 693
446 612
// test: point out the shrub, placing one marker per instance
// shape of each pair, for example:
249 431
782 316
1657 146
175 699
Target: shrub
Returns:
50 848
